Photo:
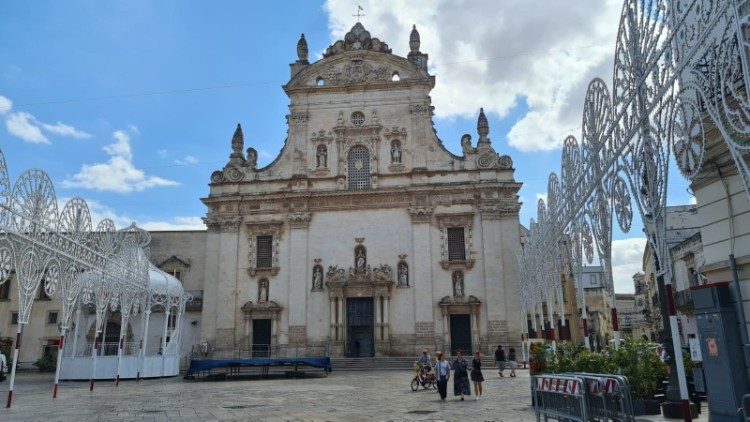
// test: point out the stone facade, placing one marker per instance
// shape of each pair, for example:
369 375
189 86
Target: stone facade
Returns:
365 233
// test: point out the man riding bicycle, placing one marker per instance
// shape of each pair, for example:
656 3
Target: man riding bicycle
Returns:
425 364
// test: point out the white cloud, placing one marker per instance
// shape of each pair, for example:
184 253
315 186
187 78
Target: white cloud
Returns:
162 153
542 52
65 130
692 200
5 105
22 125
541 195
627 259
177 223
25 126
134 129
189 159
118 174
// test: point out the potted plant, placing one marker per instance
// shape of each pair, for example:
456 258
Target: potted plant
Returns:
46 363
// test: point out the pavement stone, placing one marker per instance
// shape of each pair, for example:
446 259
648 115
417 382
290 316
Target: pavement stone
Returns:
342 396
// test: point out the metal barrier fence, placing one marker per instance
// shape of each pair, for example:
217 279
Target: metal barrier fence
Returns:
582 397
560 397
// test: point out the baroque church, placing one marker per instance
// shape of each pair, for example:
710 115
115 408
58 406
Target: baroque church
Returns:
365 235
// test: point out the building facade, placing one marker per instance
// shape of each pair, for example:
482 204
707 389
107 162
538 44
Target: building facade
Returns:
365 235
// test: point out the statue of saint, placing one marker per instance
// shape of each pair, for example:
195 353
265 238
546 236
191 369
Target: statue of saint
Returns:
458 285
263 291
396 153
403 275
322 156
466 145
252 158
317 279
361 260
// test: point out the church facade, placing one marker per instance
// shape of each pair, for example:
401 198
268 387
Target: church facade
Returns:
365 235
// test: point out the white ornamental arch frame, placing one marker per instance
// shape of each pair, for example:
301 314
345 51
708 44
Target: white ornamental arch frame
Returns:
680 67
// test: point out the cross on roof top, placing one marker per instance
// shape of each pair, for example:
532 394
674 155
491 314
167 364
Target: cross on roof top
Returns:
360 13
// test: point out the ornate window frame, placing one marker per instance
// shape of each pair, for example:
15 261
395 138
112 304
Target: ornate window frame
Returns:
466 221
264 228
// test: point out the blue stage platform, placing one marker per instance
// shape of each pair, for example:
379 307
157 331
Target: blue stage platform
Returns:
200 365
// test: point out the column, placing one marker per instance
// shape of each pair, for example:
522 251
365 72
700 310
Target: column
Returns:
332 303
446 328
378 317
424 302
386 319
474 326
340 324
300 277
247 330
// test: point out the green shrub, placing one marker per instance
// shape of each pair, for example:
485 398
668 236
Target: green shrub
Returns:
46 363
634 359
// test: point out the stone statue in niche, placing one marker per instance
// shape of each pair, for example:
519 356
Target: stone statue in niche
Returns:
458 284
403 275
322 157
360 260
317 278
395 153
263 291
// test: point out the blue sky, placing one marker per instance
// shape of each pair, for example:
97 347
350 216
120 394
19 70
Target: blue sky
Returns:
151 91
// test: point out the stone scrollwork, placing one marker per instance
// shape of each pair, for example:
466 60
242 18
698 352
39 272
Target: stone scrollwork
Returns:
355 72
421 214
299 219
233 174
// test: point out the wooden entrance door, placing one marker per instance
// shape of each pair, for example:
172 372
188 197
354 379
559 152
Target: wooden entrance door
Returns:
360 327
461 334
261 338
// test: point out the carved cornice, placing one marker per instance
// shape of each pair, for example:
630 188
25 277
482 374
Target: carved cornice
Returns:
465 219
225 223
457 265
299 220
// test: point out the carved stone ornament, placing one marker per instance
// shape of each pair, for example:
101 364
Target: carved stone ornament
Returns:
358 38
505 162
356 72
217 177
487 159
420 214
380 274
233 174
421 110
299 219
298 117
223 223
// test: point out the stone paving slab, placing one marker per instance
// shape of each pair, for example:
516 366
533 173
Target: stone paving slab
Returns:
344 396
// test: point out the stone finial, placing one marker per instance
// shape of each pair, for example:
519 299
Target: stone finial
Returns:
238 142
302 50
483 128
414 42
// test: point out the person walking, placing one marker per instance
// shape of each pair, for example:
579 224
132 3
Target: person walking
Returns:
512 361
461 386
443 372
476 374
500 360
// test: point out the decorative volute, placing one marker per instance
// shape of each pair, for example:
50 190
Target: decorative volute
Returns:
302 50
483 128
414 42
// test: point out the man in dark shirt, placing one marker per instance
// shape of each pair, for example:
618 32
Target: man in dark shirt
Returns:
500 360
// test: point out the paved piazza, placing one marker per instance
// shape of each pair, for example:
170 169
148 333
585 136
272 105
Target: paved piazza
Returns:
343 396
